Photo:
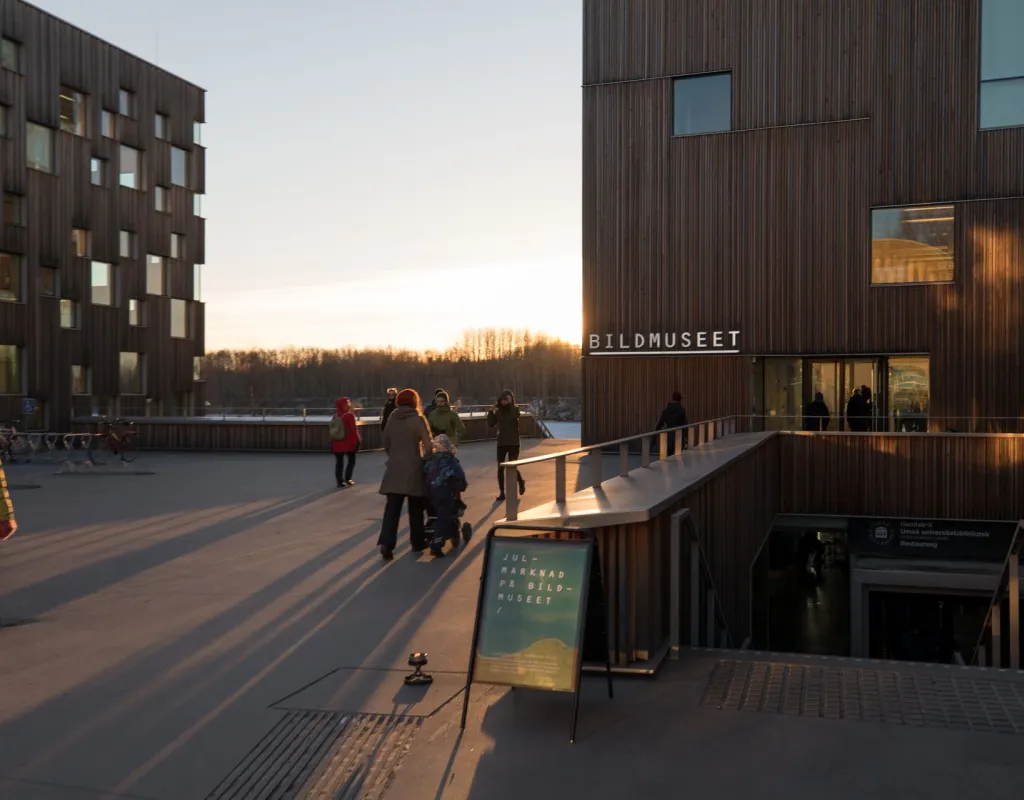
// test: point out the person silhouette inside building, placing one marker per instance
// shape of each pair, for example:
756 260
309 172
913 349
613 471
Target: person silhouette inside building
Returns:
673 416
816 415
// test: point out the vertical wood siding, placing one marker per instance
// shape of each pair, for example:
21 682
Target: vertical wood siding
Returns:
838 106
55 54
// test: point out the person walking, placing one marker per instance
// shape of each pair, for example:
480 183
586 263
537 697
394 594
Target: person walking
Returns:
433 403
344 442
505 417
817 416
444 420
389 407
407 442
673 416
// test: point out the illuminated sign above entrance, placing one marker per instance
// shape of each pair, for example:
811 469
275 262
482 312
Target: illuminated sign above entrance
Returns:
690 343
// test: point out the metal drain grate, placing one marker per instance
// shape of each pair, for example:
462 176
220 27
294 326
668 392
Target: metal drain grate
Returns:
903 698
323 755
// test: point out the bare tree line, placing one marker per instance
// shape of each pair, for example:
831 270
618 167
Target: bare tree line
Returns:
474 370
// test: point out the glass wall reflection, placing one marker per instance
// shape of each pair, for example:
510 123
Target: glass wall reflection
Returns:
783 393
908 393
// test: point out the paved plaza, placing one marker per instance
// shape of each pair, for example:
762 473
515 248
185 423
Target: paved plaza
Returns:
223 627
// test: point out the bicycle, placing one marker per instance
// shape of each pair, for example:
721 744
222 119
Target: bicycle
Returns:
124 444
14 443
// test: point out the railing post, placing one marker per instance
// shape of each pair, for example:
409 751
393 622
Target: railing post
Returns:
679 442
623 459
511 496
1014 598
662 446
596 468
560 479
645 451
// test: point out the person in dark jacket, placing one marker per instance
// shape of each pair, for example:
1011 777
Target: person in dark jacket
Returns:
673 416
446 481
505 417
816 415
389 407
856 411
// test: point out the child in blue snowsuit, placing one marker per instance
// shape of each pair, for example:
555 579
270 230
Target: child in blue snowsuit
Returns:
446 482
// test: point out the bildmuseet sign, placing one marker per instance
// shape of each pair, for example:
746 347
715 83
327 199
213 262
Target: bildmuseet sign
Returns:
664 344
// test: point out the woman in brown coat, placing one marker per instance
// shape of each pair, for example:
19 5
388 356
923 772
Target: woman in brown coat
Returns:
406 440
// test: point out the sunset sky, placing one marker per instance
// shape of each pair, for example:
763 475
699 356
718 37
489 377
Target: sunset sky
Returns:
379 172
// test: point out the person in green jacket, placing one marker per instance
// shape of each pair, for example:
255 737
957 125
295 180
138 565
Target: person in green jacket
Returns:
505 417
444 419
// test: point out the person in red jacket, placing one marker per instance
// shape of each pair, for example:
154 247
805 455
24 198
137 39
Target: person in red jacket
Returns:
344 442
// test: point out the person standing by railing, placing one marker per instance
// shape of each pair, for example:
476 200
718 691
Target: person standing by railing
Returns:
673 416
344 442
389 407
505 417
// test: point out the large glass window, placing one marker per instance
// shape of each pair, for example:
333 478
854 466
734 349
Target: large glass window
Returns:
702 104
197 282
1002 64
908 392
912 245
68 314
131 167
102 281
132 380
79 379
10 277
783 393
72 111
10 55
39 147
179 167
10 369
154 274
179 319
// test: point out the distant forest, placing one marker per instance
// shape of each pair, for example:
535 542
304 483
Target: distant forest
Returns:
473 371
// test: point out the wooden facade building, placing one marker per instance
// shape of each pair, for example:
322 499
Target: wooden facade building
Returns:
103 241
803 196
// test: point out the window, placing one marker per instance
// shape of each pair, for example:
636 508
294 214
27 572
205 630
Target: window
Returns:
197 283
72 111
10 369
154 274
69 319
102 280
179 167
131 373
80 242
197 368
10 277
1002 64
49 282
909 393
131 167
177 245
39 147
14 209
126 103
197 205
179 319
161 202
10 55
912 245
702 104
126 246
136 312
197 132
98 171
160 126
108 124
80 379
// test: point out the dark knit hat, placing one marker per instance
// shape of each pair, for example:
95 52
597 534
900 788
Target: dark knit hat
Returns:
443 395
408 397
677 397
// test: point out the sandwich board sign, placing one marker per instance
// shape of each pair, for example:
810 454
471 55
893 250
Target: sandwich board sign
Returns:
540 613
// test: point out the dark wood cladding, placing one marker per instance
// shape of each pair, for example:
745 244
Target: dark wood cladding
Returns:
55 54
220 435
938 476
838 107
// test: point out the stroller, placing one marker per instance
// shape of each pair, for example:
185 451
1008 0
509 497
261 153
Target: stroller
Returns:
446 482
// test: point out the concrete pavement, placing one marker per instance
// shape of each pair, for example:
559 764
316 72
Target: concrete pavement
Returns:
225 628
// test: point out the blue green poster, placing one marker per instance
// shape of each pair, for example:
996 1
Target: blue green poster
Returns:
531 613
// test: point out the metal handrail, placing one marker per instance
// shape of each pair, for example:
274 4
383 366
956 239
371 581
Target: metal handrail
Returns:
697 433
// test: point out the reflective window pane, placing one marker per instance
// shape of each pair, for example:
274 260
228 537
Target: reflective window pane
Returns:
131 373
783 393
702 104
102 284
1002 33
10 369
39 147
1002 103
179 167
909 393
179 319
10 55
912 245
154 274
79 379
68 314
10 277
96 170
130 173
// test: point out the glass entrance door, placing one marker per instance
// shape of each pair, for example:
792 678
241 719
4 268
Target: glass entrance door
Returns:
861 375
825 378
